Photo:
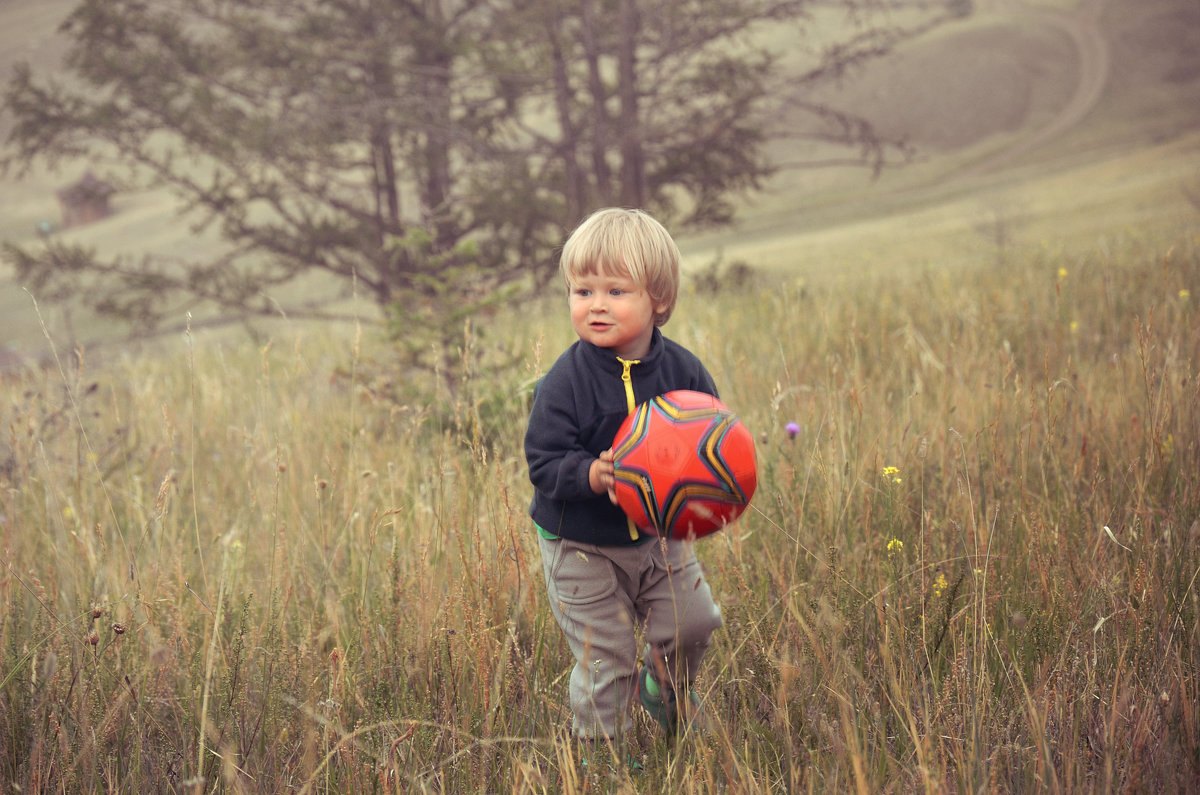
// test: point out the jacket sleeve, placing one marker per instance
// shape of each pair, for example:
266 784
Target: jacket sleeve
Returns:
699 379
558 462
706 383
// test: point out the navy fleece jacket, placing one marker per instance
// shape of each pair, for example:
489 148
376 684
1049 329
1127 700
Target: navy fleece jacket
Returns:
577 408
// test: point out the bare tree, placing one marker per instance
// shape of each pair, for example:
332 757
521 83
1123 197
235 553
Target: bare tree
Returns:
432 152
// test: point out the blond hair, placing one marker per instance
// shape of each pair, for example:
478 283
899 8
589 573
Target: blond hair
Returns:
616 241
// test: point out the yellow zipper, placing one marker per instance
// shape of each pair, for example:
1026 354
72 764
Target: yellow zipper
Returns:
627 378
631 404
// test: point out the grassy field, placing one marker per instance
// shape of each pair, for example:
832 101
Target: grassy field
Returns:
257 565
975 567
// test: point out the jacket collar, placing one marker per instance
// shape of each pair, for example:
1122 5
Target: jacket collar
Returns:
607 361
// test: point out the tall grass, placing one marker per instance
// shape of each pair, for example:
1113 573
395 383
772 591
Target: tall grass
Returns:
259 568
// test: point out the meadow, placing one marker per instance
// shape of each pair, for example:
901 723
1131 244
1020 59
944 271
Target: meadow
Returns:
262 567
278 562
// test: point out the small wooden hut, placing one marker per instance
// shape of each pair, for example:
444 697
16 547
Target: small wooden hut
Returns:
85 201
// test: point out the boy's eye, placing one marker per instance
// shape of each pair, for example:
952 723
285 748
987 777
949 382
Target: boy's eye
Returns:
616 291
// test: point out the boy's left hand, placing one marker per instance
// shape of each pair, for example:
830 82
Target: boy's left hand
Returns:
601 476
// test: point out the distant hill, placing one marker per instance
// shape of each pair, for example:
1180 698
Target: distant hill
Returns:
1065 120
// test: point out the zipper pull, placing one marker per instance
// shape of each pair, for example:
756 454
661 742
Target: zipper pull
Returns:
627 379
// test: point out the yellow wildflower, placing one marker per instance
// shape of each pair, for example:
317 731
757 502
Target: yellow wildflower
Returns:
895 545
939 585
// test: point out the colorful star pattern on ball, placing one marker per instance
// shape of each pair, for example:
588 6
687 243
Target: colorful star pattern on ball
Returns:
684 465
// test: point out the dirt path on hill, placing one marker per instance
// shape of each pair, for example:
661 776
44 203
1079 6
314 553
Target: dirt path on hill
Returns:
1082 25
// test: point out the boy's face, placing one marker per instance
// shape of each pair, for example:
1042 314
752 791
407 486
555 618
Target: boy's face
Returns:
611 311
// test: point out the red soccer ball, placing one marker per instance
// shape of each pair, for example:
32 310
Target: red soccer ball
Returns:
685 465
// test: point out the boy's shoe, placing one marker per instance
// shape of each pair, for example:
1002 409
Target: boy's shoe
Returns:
663 705
596 759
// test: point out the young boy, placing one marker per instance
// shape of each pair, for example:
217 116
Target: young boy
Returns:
604 577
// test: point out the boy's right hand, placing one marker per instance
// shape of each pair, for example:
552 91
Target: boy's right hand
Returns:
601 476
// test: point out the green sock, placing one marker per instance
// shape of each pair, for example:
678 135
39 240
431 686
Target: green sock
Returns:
652 687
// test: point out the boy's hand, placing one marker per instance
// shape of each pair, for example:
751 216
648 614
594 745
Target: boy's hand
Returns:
601 477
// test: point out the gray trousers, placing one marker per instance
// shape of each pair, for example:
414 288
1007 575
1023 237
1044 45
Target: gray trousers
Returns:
601 596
